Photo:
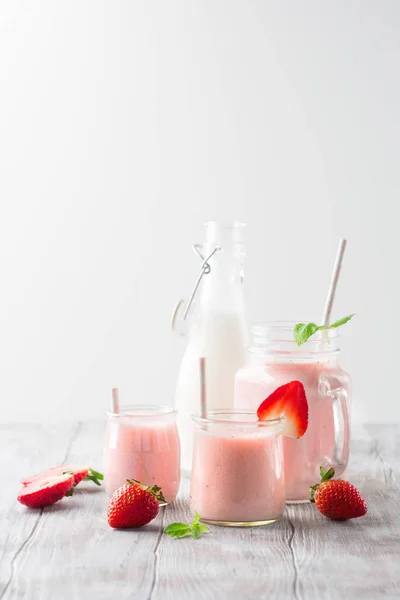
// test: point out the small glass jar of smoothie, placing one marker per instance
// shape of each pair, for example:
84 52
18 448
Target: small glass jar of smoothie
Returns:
142 443
237 471
273 360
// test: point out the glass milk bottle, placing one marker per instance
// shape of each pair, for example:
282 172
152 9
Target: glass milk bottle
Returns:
273 359
216 329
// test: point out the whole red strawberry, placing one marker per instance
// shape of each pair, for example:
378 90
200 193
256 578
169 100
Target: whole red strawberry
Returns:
337 499
134 505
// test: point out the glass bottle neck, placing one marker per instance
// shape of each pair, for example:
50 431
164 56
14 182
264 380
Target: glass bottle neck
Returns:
222 286
225 269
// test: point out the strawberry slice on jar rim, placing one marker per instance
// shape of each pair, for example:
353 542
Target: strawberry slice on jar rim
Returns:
290 402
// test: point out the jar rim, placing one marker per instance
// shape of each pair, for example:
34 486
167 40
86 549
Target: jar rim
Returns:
275 339
287 327
134 411
216 417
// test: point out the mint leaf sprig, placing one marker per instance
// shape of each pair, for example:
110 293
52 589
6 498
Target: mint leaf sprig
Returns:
303 331
179 530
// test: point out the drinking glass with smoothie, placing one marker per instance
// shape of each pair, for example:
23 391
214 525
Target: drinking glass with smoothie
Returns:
237 470
274 359
142 443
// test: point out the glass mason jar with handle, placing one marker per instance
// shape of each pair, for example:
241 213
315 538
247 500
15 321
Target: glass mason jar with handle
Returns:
273 360
216 326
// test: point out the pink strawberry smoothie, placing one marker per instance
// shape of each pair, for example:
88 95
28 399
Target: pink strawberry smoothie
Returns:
237 472
142 443
302 457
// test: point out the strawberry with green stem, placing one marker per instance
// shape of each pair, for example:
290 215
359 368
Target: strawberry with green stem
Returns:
337 499
134 505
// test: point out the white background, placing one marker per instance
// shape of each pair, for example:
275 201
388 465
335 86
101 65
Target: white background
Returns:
124 125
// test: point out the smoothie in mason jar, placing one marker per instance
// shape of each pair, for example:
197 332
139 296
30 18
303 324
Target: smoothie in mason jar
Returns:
273 360
142 443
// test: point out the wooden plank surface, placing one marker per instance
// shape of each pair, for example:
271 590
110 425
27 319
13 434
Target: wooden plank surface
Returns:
67 551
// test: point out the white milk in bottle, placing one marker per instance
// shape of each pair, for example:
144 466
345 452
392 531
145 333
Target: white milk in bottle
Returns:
217 330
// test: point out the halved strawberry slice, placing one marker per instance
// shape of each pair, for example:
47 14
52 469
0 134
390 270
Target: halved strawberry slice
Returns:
78 471
288 401
46 491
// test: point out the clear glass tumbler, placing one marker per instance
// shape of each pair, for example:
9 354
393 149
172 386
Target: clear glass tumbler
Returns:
142 443
237 472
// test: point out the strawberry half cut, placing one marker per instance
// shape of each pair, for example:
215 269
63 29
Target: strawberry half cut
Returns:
46 491
288 401
79 472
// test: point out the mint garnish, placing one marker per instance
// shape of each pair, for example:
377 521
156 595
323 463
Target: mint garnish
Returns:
303 331
341 321
179 530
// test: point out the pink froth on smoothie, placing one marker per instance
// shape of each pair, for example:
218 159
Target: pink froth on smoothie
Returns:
237 473
142 443
315 366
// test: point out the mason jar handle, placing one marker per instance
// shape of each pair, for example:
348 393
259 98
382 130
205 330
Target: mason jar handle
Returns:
338 397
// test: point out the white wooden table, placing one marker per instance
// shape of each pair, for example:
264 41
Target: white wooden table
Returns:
68 551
